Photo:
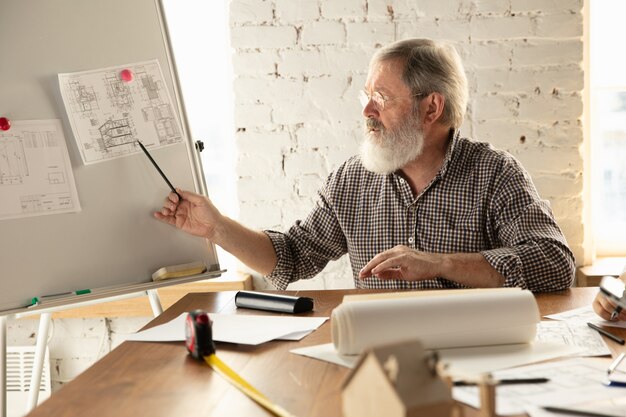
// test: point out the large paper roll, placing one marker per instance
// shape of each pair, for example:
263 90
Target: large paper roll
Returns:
470 318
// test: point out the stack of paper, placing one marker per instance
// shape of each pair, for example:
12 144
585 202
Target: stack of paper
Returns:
474 331
234 328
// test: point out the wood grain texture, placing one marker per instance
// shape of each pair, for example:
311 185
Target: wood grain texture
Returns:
161 379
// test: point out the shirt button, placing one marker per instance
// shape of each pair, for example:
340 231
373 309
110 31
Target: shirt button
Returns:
411 240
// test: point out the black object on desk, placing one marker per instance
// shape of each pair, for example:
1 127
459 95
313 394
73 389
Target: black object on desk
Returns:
611 336
504 382
273 302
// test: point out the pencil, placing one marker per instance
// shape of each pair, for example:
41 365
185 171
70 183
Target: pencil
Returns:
143 148
505 382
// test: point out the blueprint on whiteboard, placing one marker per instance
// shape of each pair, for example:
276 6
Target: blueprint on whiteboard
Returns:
108 115
35 171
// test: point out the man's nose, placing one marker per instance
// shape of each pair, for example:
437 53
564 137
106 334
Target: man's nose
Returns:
370 111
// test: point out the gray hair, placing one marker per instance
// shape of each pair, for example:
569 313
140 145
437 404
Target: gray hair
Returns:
430 67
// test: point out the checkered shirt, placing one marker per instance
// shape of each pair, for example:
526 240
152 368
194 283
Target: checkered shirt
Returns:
482 200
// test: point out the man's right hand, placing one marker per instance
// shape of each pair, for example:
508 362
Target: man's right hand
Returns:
194 214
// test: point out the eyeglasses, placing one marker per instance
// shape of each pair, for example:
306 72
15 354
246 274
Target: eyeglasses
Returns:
378 99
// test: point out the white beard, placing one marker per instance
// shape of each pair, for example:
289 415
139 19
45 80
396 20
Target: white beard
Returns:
388 151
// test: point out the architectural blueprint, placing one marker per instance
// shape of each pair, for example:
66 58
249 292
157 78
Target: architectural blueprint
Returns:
108 114
572 334
35 172
571 382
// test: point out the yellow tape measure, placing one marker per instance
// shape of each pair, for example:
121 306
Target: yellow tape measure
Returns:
199 341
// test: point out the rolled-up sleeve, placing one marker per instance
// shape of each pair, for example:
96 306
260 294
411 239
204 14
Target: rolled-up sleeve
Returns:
307 247
533 252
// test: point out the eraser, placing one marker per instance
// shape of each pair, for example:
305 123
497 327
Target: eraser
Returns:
178 271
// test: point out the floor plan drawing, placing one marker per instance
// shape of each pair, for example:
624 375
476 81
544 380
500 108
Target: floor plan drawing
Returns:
83 98
108 115
13 166
36 175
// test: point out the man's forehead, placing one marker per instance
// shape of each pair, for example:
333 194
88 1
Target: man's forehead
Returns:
386 76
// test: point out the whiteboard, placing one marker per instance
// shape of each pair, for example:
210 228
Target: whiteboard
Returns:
114 242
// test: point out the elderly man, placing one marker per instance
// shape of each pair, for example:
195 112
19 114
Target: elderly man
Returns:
420 207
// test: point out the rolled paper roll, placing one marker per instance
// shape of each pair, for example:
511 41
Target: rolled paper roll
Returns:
470 318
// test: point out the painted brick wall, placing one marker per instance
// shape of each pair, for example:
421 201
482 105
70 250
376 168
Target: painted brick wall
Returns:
299 65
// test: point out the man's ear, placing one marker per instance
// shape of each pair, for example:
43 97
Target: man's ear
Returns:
432 108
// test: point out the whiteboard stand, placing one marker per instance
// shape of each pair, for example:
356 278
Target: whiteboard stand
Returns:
155 302
40 353
3 366
45 320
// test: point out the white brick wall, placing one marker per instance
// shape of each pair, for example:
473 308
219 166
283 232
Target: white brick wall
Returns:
75 344
299 64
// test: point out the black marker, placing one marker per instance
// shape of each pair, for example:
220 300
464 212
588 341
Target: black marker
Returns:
611 336
575 412
143 148
504 382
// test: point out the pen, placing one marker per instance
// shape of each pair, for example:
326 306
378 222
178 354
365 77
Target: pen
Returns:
143 148
611 336
613 366
574 412
616 312
36 300
505 382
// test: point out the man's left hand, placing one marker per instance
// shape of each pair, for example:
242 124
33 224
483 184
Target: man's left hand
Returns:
402 262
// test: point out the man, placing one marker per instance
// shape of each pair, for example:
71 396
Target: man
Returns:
421 207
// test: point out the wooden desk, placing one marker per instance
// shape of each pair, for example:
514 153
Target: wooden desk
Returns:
161 379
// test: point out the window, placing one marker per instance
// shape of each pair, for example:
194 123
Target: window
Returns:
607 71
200 41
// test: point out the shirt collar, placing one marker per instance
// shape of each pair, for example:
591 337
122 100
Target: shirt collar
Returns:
455 134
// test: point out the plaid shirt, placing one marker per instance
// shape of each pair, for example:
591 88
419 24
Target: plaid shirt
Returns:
482 200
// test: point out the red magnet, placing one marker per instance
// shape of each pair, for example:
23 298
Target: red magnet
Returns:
126 75
5 124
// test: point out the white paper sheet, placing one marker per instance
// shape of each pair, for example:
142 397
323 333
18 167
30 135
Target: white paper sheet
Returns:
455 320
36 175
108 115
573 333
584 315
461 361
327 353
572 381
236 328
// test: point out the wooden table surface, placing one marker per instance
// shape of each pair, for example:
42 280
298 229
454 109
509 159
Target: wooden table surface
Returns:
161 379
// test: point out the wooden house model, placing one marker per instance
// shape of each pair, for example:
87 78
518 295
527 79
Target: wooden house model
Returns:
398 380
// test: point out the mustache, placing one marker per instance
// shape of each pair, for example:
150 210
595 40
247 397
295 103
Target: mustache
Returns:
374 124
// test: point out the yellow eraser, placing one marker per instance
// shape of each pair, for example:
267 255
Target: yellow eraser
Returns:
178 271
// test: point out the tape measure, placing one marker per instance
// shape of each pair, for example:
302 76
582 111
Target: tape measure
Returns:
199 342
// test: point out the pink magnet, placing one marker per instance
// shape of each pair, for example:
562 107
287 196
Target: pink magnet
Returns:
5 124
126 75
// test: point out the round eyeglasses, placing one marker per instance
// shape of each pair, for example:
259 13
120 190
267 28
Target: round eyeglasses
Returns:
378 99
